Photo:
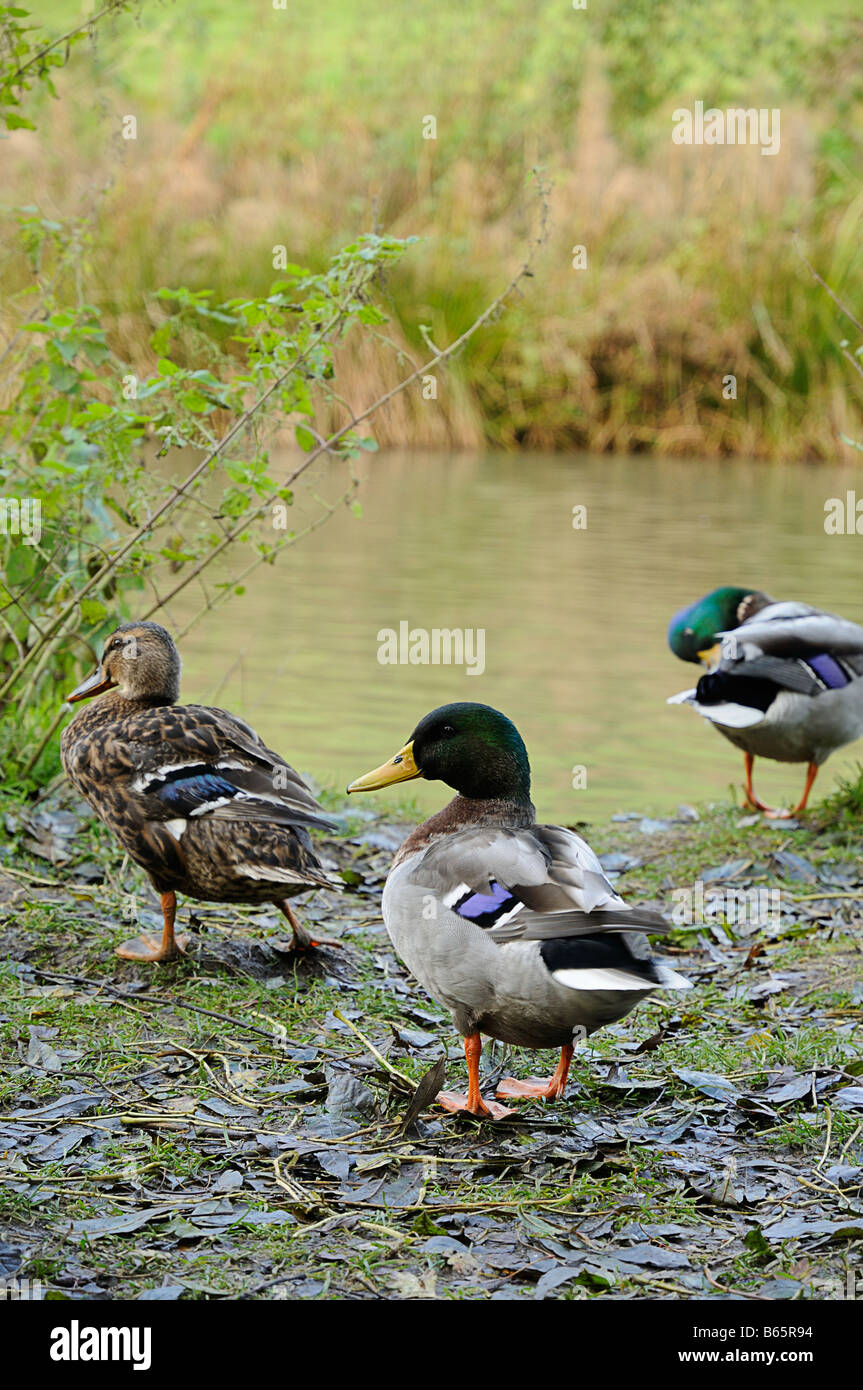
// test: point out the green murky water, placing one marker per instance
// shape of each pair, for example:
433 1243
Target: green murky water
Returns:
574 620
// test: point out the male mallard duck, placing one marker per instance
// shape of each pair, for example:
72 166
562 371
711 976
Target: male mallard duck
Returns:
192 794
784 679
509 924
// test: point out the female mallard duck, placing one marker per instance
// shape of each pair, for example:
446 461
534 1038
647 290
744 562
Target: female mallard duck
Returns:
191 793
509 924
784 679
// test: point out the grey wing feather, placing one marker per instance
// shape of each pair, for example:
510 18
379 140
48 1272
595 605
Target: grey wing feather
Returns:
547 867
246 741
797 629
545 926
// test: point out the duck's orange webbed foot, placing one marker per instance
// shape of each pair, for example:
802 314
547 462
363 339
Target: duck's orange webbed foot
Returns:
749 794
533 1088
473 1102
300 938
474 1105
146 950
811 774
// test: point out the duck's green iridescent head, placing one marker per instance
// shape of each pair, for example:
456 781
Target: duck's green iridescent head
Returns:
694 631
473 748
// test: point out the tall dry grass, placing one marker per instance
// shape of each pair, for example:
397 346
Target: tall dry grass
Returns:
692 272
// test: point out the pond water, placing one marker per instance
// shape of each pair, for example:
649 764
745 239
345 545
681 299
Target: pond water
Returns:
574 620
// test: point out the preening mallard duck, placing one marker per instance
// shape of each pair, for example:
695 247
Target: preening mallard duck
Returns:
783 679
511 925
192 793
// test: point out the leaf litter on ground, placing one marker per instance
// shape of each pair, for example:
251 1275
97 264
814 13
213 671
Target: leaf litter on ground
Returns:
247 1124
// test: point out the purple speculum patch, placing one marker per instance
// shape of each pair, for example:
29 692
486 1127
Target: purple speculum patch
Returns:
481 904
828 670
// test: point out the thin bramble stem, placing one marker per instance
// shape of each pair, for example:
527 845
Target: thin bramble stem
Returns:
347 292
440 357
176 493
87 24
824 285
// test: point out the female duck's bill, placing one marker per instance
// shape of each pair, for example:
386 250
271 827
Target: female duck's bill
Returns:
96 684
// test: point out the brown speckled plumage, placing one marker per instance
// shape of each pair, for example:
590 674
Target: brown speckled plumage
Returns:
192 793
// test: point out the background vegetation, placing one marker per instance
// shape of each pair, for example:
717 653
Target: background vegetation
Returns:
238 1127
85 418
299 126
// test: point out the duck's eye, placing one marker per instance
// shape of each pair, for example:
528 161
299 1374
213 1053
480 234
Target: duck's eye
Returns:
447 730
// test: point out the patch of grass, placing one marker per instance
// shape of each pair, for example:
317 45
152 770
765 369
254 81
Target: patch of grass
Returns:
534 1185
843 808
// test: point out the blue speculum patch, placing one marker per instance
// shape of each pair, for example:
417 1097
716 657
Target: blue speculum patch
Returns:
828 669
486 908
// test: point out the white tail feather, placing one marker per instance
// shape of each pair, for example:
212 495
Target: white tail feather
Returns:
599 978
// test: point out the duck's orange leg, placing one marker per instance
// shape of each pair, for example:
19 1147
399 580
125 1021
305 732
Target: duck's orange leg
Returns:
300 939
811 774
144 948
473 1102
751 798
546 1090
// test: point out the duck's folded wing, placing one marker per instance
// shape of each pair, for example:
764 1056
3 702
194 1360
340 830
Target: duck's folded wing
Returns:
741 691
796 629
533 884
219 792
211 764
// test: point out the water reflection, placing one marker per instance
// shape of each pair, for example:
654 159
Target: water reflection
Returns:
574 619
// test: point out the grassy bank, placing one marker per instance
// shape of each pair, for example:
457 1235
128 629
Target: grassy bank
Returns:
217 1129
299 127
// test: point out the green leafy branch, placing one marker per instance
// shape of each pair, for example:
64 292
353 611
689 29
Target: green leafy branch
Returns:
26 61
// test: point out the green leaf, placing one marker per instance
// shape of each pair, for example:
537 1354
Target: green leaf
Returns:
160 340
63 378
196 401
14 122
96 351
757 1242
93 610
305 439
371 315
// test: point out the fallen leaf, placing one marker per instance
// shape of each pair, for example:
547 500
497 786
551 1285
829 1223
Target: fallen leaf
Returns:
429 1085
709 1083
409 1286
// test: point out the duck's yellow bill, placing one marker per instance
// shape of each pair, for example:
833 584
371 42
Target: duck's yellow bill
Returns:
711 656
401 768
